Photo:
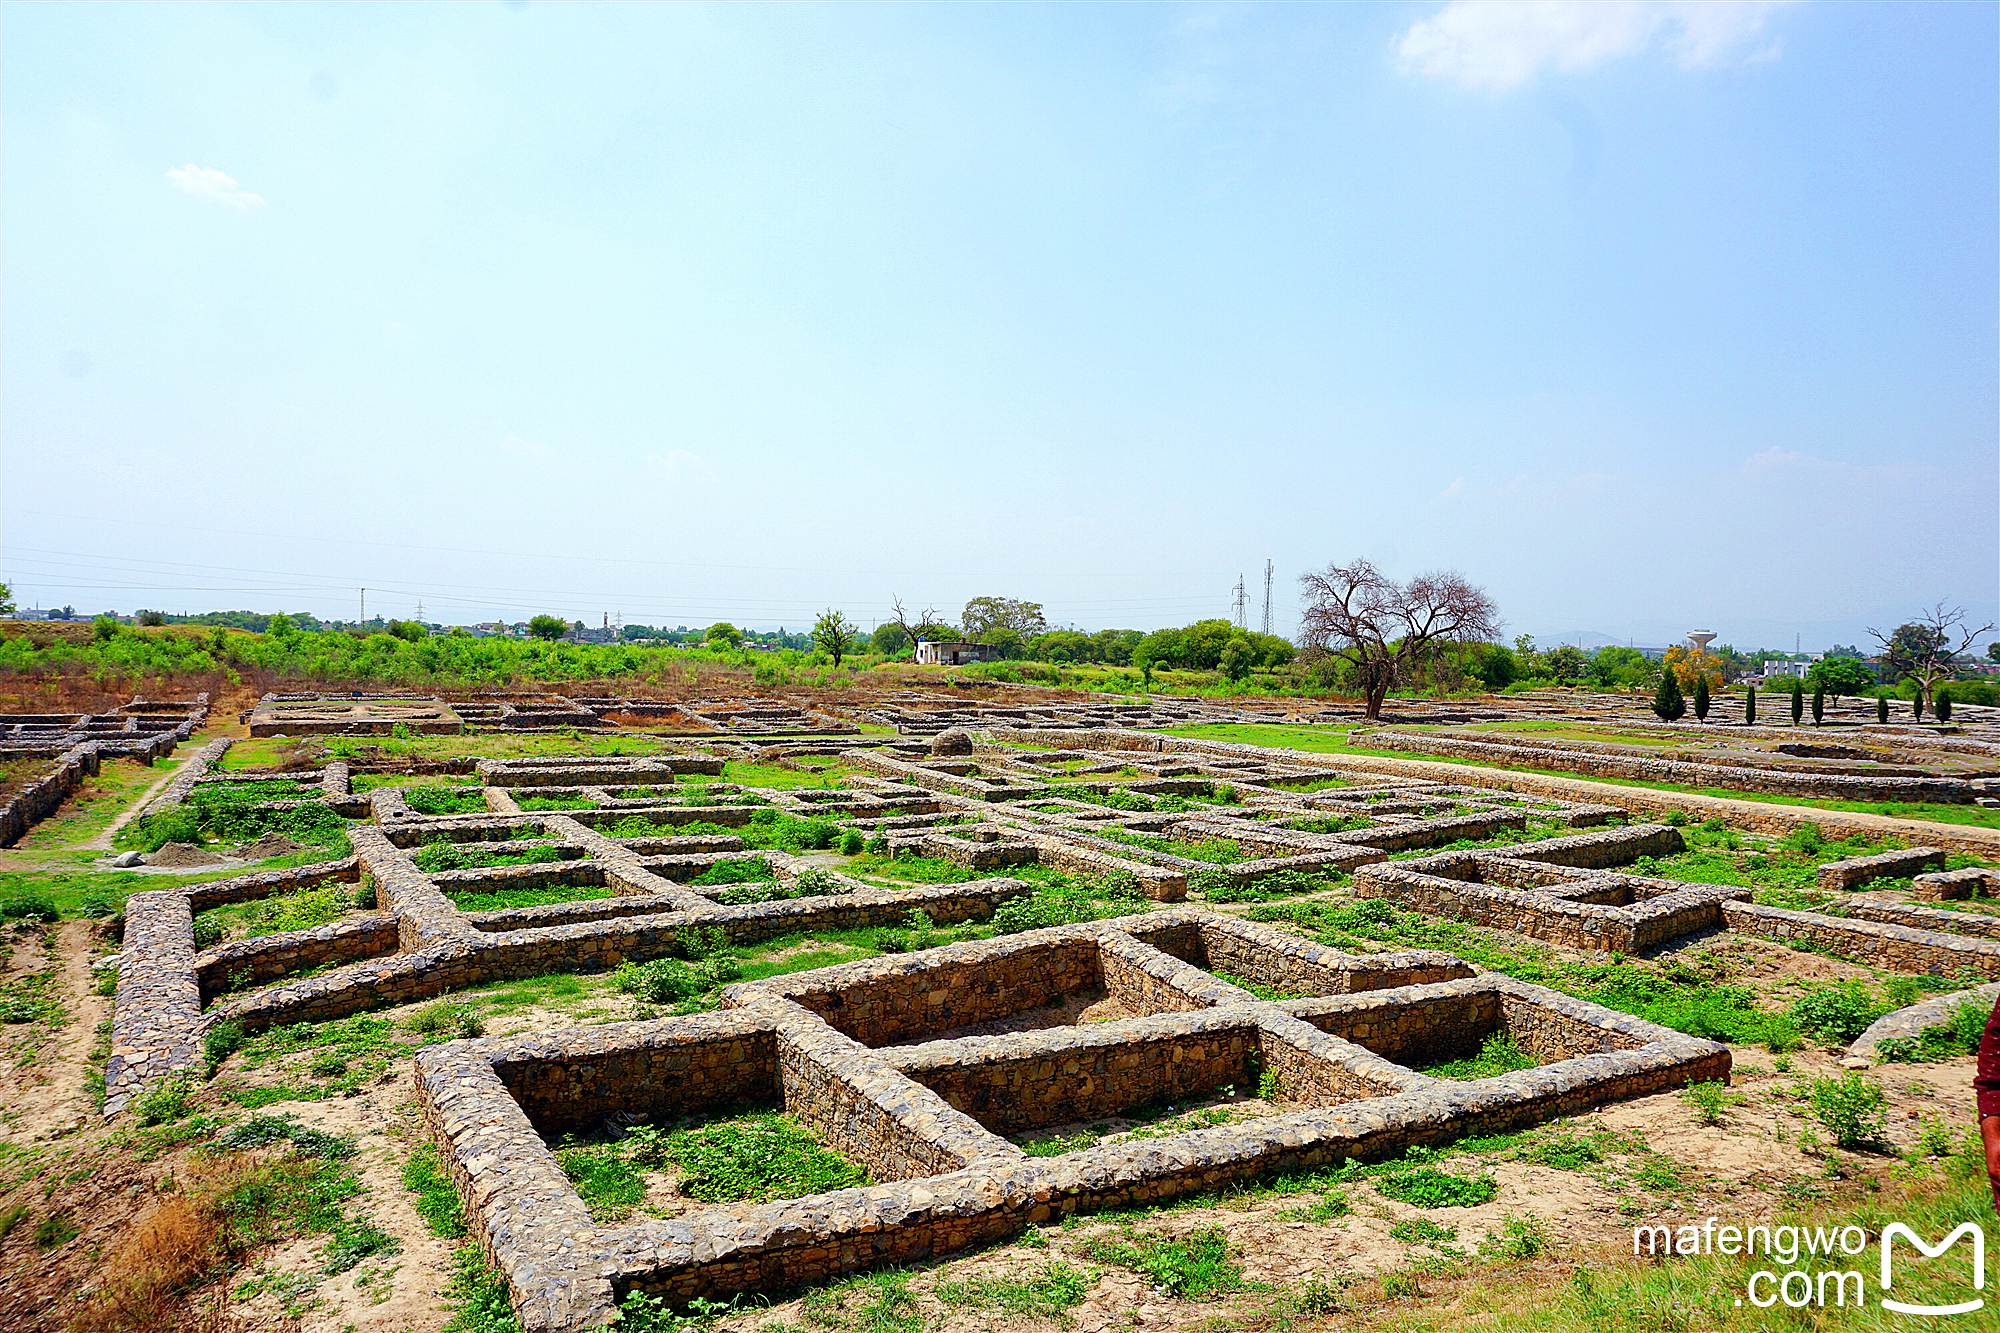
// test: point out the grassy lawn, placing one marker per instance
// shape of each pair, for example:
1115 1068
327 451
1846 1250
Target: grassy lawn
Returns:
817 774
497 746
96 803
1333 740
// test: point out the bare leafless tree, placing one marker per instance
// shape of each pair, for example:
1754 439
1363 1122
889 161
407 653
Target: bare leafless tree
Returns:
1923 648
911 628
1384 629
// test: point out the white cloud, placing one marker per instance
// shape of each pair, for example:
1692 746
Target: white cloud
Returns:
1501 44
215 186
678 465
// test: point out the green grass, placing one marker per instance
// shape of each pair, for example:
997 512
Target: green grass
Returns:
500 899
97 802
1191 1266
608 1184
1048 1292
1498 1054
822 775
1333 740
751 1158
908 869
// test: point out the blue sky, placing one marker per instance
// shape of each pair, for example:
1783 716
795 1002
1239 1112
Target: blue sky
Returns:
1647 316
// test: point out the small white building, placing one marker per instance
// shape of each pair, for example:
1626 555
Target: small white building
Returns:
1773 670
940 653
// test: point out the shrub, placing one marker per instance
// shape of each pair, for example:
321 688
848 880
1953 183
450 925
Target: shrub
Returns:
1710 1100
447 1020
1881 708
665 980
165 1102
1701 698
1818 704
1941 705
1798 704
1749 705
851 843
441 854
208 931
155 831
29 907
1428 1187
812 882
220 1042
1852 1109
1836 1013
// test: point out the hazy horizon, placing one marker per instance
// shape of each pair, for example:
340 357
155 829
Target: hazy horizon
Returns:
1646 317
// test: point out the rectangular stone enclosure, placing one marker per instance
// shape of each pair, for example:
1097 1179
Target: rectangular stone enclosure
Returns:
855 1052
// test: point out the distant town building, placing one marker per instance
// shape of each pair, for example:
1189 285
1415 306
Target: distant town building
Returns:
1777 670
941 653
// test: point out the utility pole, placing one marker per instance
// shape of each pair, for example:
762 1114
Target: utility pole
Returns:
1241 601
364 606
1267 597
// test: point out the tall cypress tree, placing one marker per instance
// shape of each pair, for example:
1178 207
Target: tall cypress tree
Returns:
1667 701
1701 698
1819 703
1749 705
1942 705
1881 708
1798 700
1917 706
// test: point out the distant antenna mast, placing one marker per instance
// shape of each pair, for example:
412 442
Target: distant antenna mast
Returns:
1242 600
364 606
420 609
1267 597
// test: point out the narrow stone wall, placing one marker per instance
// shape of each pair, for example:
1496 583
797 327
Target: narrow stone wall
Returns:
1899 947
1778 782
1836 876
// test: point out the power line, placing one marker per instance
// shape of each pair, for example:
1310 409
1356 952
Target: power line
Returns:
1241 601
1267 597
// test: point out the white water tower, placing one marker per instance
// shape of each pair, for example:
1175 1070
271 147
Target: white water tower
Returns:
1701 638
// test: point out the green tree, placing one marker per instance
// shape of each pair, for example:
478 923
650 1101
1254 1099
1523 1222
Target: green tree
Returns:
1881 708
889 639
412 630
723 636
985 615
1235 659
1941 704
105 628
1818 704
1667 700
1797 690
1992 649
1749 705
1840 676
7 607
1701 699
1618 667
547 627
834 633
